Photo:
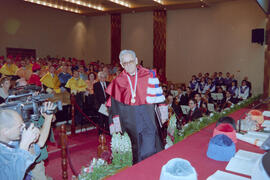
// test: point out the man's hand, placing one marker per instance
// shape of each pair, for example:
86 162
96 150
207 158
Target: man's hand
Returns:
29 136
50 107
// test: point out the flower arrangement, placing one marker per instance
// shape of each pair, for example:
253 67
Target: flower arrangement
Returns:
197 125
122 157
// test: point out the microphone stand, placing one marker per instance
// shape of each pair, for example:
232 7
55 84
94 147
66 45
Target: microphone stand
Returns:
245 113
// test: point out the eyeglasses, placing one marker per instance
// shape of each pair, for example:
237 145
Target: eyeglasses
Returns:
128 63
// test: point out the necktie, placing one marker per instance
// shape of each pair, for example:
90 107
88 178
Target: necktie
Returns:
103 87
190 119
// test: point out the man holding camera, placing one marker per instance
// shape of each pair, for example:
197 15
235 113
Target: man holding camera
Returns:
19 147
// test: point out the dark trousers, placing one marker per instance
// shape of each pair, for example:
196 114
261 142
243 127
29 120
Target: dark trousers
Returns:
103 124
78 115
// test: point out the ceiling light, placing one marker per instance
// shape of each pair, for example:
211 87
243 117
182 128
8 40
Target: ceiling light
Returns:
53 5
159 1
122 3
89 5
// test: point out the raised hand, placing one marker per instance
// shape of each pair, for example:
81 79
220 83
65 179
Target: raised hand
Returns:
29 136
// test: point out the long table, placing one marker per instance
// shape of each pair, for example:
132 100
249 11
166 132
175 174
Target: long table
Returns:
193 149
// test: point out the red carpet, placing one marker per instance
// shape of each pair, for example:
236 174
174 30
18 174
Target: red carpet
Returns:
82 147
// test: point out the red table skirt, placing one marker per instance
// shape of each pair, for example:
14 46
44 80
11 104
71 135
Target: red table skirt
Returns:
193 149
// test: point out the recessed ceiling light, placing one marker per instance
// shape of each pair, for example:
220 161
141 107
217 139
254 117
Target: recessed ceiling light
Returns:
89 5
159 1
122 3
53 5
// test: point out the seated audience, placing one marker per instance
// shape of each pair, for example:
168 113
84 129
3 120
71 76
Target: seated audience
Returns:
228 101
189 93
182 97
9 68
108 75
193 84
233 90
23 71
35 77
243 92
200 103
4 88
51 81
64 76
227 80
218 81
210 86
82 73
194 112
248 85
202 84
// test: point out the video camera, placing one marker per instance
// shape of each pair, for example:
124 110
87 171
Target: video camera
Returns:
28 104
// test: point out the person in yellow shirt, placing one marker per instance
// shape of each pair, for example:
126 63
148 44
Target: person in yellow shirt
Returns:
28 64
45 68
76 84
77 87
51 81
23 72
9 68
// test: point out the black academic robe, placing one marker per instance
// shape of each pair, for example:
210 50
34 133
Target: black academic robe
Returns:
138 121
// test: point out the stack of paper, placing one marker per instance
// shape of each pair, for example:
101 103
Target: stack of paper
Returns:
266 125
243 162
256 138
221 175
266 113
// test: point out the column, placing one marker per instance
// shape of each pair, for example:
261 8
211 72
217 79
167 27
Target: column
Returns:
266 84
115 37
159 42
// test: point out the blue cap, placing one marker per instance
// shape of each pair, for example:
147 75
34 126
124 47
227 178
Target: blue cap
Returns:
178 169
221 148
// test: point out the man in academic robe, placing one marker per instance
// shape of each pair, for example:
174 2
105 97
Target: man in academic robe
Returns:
51 81
83 75
35 77
64 76
24 72
133 95
77 87
9 68
101 96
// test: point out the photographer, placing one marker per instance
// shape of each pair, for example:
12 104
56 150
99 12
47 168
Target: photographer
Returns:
19 147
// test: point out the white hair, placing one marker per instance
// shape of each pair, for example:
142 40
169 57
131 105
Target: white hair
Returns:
123 52
101 73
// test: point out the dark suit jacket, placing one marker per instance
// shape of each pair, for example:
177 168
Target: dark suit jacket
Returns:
183 99
195 115
99 94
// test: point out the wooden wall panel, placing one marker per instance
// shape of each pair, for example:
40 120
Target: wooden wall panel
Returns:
115 37
159 40
266 84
